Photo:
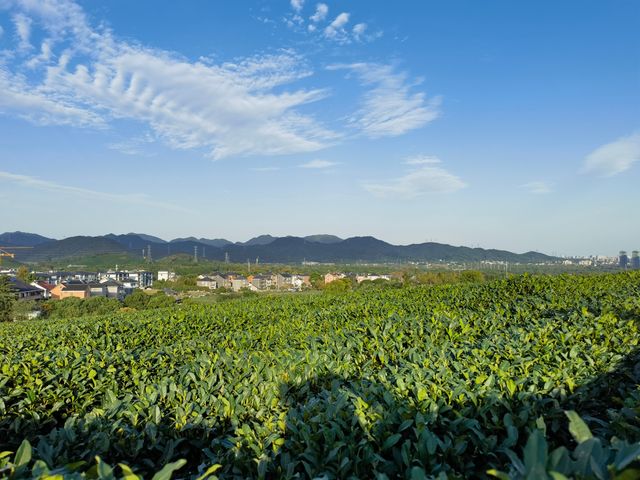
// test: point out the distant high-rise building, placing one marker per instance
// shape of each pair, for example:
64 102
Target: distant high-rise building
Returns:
623 259
635 260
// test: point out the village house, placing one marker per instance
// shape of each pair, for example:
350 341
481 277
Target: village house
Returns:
206 282
371 277
331 277
46 288
68 290
130 279
167 276
113 289
262 281
240 282
291 281
107 289
24 291
58 277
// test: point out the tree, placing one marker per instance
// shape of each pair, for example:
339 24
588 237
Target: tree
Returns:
23 308
7 299
339 286
138 300
23 274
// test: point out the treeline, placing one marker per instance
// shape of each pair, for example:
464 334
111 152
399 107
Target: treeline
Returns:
77 307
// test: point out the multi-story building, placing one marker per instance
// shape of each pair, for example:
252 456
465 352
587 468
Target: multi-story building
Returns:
167 276
133 279
623 259
262 281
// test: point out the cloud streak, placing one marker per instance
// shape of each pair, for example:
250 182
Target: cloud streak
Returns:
537 187
390 107
318 164
615 157
422 180
128 198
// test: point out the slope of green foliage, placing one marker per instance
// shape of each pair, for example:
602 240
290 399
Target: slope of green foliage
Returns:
419 382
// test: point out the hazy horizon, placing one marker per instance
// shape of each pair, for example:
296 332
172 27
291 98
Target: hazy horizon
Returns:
501 125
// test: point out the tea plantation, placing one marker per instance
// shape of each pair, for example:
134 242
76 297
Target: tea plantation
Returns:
527 377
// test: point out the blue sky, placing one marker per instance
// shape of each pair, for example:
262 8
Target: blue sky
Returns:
497 124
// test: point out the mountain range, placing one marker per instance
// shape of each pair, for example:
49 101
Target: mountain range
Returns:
266 248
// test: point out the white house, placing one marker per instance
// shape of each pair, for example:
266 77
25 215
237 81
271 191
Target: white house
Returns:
167 276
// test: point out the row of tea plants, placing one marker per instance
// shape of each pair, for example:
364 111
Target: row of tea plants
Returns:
526 377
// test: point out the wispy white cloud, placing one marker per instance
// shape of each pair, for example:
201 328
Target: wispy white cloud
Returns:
537 187
422 180
1 31
320 14
358 30
422 160
127 198
297 5
390 107
23 30
90 78
615 157
336 29
40 106
136 146
318 164
265 169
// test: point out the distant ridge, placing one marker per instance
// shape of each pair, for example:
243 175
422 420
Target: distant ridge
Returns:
69 248
318 248
215 242
259 240
149 238
22 239
323 238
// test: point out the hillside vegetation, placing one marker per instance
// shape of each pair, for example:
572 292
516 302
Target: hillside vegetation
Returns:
418 382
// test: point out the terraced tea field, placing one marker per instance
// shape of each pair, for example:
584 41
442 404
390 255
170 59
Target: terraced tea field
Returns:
417 382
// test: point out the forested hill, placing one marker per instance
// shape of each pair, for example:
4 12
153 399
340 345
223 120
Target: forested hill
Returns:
318 248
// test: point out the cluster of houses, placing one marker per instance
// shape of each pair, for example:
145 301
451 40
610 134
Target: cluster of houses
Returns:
332 277
62 284
268 281
120 283
274 281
